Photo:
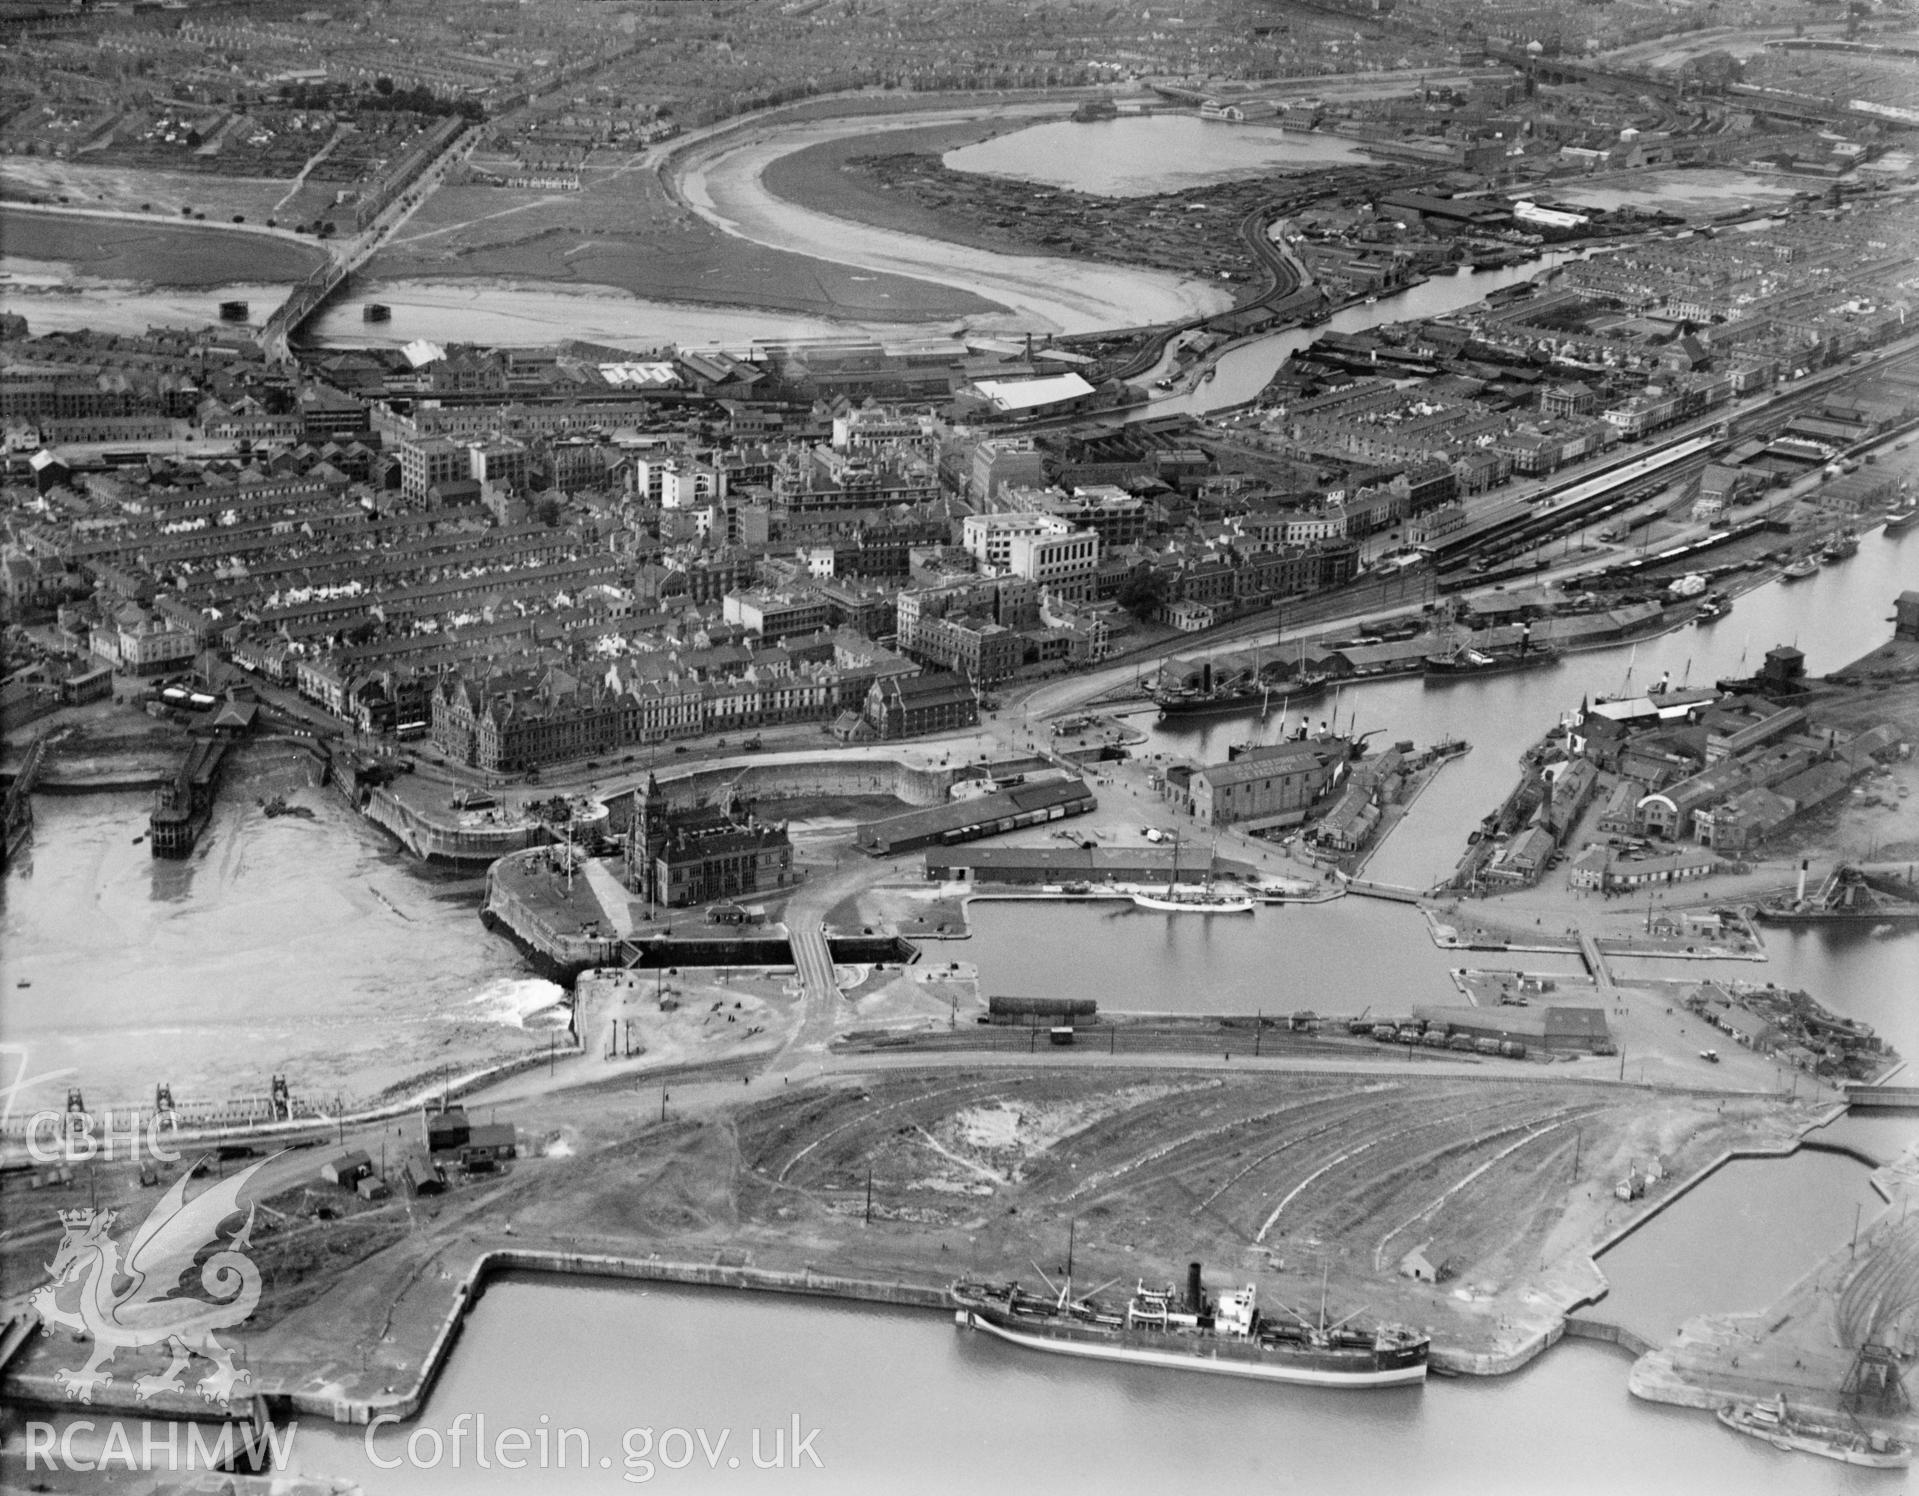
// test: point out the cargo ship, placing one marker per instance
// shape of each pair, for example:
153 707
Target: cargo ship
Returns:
1770 1419
1463 662
1227 1336
1248 693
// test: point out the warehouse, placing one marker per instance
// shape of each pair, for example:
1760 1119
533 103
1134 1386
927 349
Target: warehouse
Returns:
1063 865
983 815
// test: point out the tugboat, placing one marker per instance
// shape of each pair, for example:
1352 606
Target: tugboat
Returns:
1770 1419
1842 545
1715 605
1194 1332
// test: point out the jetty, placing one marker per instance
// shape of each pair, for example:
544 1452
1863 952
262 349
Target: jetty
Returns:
184 803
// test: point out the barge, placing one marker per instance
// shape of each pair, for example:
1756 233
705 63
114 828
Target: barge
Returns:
1227 1336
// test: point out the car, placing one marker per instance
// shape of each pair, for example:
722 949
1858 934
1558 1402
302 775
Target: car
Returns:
1710 1056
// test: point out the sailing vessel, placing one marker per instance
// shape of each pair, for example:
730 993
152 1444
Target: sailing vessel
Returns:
1183 901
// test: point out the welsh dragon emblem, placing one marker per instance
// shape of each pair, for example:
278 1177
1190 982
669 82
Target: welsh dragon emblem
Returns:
131 1301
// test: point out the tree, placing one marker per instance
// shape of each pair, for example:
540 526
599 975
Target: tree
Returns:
1143 593
383 87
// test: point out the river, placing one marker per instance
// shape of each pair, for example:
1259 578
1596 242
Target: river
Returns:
1834 617
1245 369
722 182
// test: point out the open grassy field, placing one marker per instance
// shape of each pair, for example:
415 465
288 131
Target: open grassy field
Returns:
127 188
160 253
621 229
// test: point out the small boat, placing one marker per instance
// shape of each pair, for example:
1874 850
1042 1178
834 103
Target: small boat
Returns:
1805 566
1770 1419
1841 546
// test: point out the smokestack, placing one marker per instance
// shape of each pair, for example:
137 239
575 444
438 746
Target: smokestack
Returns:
1206 676
1195 1295
1804 863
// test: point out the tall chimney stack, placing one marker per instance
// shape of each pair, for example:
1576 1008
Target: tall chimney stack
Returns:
1195 1295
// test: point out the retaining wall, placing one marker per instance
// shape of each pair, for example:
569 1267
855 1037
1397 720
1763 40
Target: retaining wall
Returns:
492 1263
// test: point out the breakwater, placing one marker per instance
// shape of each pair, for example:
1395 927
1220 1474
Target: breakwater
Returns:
436 838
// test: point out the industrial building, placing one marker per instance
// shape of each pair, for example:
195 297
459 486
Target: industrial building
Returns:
1273 785
1061 865
983 815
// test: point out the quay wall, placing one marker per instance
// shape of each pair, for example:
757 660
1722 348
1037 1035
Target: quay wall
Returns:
496 1261
557 957
434 840
1580 1327
844 777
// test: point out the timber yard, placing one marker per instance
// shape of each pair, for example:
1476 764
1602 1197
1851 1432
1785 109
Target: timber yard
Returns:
1381 787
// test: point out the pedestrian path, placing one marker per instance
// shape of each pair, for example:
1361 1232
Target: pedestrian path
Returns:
614 902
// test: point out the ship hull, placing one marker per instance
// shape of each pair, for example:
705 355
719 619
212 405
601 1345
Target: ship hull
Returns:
1175 906
1312 1369
1244 700
1439 671
1788 1438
